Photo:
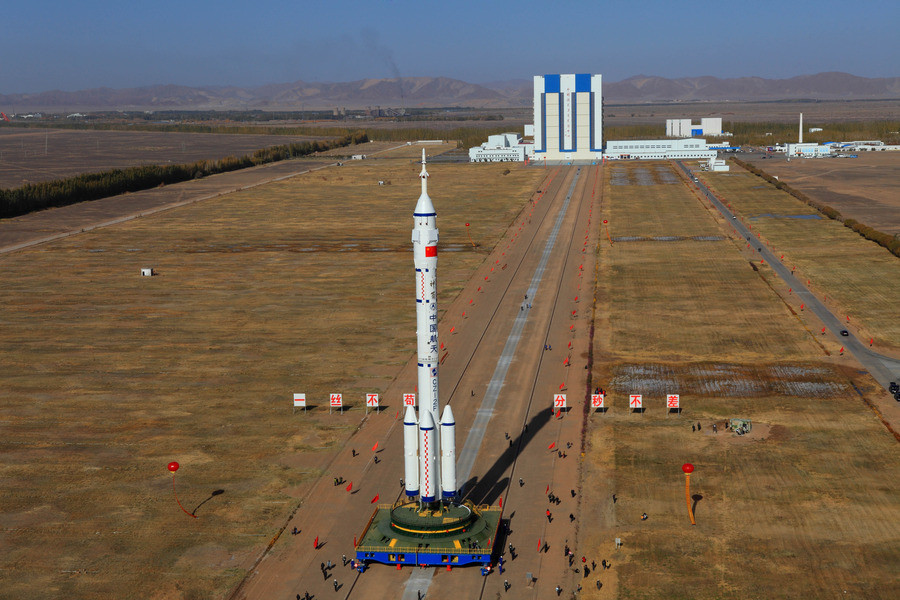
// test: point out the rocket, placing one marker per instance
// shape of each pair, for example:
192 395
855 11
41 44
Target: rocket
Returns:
424 472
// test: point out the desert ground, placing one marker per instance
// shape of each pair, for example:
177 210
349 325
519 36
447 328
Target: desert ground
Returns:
857 278
687 314
304 285
863 188
34 155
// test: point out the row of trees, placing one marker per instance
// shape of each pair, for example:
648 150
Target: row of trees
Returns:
891 242
92 186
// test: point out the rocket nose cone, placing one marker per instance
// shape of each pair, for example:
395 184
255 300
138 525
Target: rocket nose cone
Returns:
427 421
447 417
410 417
424 206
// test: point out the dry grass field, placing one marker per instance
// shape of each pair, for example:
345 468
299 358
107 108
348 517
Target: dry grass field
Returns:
807 505
33 155
299 286
859 278
863 188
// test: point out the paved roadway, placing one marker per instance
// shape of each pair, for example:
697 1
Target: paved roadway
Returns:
496 353
883 368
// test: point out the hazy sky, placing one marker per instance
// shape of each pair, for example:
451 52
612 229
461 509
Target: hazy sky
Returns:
47 45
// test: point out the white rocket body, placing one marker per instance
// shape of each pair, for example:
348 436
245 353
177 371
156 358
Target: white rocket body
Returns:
425 239
427 458
448 453
411 452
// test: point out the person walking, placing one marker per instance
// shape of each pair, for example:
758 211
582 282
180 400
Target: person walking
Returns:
506 585
549 516
335 585
558 590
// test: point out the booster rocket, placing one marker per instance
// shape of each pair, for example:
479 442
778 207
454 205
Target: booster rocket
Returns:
424 476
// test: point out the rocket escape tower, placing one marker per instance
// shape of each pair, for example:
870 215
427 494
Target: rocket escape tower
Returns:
428 525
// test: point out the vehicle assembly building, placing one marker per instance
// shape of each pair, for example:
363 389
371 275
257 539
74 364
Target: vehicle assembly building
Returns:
568 117
568 129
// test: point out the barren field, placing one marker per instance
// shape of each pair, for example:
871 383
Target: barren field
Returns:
807 505
863 188
33 155
857 277
298 286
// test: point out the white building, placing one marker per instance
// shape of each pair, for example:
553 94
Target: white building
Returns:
505 147
658 149
711 126
808 150
717 165
568 117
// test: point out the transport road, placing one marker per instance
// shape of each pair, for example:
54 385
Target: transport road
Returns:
500 381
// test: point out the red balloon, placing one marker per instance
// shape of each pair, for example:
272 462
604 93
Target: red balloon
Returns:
687 468
173 466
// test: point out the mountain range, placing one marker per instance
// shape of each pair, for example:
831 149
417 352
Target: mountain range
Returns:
416 92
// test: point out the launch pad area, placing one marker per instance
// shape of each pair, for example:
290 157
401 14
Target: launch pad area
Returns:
403 534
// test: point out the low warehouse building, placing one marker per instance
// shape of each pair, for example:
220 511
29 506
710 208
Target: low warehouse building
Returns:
658 149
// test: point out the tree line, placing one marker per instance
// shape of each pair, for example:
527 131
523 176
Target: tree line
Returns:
93 186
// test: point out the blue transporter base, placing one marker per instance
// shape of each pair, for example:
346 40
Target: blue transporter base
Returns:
457 535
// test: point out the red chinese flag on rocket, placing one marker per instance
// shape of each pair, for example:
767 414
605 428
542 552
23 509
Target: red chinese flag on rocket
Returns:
375 499
430 251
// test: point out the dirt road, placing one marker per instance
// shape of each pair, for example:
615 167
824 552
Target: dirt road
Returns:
545 255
